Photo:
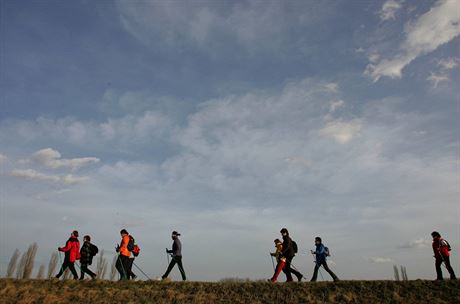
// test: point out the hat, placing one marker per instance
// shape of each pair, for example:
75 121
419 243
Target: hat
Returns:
123 231
318 239
284 230
75 233
176 233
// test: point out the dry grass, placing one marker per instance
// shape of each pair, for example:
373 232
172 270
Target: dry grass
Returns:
53 291
52 265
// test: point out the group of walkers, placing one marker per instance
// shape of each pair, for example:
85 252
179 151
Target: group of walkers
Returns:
285 252
127 251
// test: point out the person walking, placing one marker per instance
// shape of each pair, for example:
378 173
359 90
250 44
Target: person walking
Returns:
122 263
176 253
289 253
280 260
72 254
321 252
87 252
441 252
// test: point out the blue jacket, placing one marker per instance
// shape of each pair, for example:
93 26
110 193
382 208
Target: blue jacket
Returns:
320 253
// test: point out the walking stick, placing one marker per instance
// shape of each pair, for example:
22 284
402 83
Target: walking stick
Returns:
142 271
273 263
167 256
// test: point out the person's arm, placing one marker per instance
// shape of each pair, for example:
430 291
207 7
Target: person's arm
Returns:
66 248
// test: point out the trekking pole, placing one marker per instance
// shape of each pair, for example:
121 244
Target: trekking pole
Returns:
142 271
273 263
293 267
167 256
319 269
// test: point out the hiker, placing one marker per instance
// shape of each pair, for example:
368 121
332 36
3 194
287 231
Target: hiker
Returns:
289 251
321 252
122 263
280 260
87 252
72 253
441 250
176 254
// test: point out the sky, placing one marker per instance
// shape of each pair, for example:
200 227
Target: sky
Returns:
227 121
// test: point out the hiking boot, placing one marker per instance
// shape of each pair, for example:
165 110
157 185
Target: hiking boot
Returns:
133 276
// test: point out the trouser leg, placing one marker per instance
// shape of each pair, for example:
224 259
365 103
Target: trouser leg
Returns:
85 269
121 266
437 265
278 269
449 268
170 267
334 277
315 273
181 268
73 271
296 273
287 270
63 268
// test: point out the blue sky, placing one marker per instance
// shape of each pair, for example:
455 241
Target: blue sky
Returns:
227 121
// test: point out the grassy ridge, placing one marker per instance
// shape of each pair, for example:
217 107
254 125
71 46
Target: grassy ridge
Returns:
41 291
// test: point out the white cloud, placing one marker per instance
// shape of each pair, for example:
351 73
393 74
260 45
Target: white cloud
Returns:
52 159
342 132
37 176
336 105
389 9
437 78
3 158
380 260
449 63
418 243
438 26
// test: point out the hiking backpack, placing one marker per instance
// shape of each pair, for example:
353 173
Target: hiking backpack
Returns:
133 247
444 242
294 246
93 249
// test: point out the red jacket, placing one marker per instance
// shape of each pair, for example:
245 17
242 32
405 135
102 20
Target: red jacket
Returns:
71 249
440 248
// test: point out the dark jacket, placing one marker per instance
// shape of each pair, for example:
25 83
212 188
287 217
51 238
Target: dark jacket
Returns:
288 250
176 248
86 254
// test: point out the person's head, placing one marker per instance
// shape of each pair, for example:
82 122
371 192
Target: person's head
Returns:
75 233
123 232
318 240
435 235
277 242
175 234
87 238
284 232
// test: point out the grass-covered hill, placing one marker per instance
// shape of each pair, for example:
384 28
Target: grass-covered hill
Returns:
52 291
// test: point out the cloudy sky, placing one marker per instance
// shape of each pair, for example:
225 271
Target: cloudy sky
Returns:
228 120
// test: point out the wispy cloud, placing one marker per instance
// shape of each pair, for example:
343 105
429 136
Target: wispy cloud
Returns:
340 131
37 176
418 243
3 158
380 260
389 9
444 65
52 159
438 26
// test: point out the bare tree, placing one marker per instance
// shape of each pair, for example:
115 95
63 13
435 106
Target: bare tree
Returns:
21 266
404 273
52 264
12 264
113 269
29 262
101 269
41 272
395 269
